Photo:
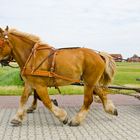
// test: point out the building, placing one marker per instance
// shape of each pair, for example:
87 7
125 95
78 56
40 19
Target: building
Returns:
117 57
134 58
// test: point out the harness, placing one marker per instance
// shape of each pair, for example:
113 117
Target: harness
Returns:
44 73
35 71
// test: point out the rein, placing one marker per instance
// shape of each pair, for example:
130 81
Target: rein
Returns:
7 63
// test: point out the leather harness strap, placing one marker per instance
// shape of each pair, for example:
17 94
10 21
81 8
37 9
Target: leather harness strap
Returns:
53 62
48 74
51 73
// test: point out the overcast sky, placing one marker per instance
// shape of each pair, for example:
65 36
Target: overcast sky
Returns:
105 25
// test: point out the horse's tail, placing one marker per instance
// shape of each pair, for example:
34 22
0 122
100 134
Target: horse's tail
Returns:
109 71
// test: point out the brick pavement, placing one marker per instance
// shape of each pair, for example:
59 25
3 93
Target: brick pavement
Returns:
42 125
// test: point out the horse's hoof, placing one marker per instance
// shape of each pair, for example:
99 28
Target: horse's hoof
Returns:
30 110
115 112
65 121
73 123
54 101
16 122
97 99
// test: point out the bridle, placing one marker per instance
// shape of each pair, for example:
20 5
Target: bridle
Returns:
6 62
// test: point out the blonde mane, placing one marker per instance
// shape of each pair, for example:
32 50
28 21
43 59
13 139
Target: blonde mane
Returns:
31 37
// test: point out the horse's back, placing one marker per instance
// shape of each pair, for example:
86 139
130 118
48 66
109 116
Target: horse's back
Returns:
72 61
69 62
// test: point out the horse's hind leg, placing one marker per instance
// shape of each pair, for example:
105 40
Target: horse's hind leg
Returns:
81 115
107 104
34 103
21 110
60 113
96 98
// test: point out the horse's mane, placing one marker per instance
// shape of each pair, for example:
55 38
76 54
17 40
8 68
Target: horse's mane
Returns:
31 37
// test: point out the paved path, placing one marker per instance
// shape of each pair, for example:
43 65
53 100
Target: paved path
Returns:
42 125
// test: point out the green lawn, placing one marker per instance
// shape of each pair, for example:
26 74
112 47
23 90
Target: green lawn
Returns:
10 77
127 73
11 84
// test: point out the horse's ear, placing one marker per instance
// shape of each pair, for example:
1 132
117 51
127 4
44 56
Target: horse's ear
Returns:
7 28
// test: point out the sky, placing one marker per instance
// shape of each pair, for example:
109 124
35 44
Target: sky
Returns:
104 25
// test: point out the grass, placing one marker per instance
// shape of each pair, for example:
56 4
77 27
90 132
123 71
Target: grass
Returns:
17 90
126 74
11 90
10 77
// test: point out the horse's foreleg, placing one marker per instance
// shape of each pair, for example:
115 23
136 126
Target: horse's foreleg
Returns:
60 113
81 115
21 109
107 104
34 103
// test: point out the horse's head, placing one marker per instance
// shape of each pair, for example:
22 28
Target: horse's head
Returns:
5 46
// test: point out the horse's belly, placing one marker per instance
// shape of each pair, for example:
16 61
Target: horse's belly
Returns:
58 82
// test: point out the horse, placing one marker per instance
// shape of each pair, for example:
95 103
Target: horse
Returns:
43 66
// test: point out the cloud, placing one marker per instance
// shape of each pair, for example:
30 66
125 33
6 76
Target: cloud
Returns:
99 24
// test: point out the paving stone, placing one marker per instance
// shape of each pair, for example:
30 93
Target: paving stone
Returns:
101 128
42 125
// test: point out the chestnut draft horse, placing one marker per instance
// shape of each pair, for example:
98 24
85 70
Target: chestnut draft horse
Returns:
42 66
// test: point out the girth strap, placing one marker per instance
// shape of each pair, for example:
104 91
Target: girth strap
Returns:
52 69
48 74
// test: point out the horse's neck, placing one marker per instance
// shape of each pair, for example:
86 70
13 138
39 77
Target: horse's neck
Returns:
21 49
